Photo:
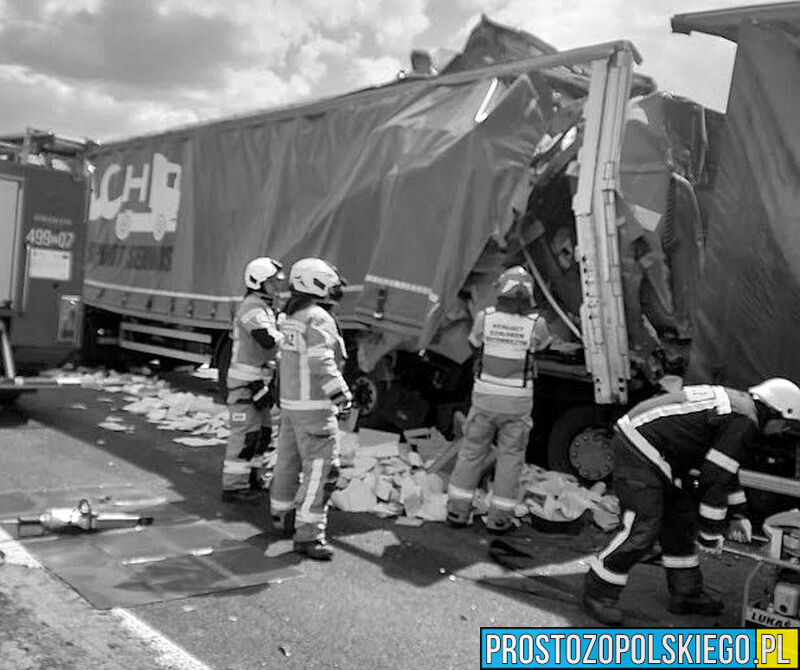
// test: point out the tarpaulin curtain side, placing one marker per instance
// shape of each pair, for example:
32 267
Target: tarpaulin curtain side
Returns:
182 213
749 312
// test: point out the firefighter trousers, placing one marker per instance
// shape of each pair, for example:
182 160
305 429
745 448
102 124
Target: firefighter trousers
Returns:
249 439
480 430
653 509
308 443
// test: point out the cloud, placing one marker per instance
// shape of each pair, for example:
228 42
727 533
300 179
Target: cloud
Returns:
156 61
374 71
44 102
131 43
393 25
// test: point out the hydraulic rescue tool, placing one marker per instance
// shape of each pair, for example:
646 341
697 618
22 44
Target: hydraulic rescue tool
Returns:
78 519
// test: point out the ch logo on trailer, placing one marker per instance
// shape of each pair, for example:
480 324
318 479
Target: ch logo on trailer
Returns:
147 203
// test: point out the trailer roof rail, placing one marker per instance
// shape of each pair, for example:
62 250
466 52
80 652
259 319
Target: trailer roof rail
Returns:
725 22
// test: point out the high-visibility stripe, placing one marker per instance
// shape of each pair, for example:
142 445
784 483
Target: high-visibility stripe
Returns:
313 487
627 523
280 505
331 386
236 467
306 404
254 314
248 373
458 493
647 450
311 517
674 409
503 503
489 388
304 371
737 498
680 561
711 537
713 513
605 574
723 460
507 381
719 400
512 352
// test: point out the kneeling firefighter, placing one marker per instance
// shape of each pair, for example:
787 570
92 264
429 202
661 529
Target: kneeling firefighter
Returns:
505 338
313 394
656 446
255 344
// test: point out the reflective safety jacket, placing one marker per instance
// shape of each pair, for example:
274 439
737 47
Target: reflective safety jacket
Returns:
249 360
312 355
705 428
504 379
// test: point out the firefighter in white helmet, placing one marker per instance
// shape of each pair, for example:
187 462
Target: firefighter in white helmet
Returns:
313 394
505 338
656 447
255 344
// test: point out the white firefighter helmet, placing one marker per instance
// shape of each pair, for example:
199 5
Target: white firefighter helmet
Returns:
313 276
261 270
779 394
515 282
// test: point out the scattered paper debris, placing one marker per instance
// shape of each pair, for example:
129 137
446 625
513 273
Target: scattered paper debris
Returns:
409 521
198 441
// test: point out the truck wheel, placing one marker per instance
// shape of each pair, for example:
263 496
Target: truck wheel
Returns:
367 396
222 356
580 444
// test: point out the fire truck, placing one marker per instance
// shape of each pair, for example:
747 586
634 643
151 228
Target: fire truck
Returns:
43 201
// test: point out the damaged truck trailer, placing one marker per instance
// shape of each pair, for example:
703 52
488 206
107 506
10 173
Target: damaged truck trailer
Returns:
420 191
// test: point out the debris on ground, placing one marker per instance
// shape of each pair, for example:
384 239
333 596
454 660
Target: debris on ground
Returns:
558 497
159 404
387 474
388 477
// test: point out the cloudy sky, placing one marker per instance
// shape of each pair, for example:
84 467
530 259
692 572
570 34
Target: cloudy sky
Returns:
112 68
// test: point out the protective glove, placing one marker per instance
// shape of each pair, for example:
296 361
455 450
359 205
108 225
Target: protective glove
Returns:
343 401
740 530
710 544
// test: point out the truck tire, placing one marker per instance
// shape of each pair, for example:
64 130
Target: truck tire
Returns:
580 444
368 392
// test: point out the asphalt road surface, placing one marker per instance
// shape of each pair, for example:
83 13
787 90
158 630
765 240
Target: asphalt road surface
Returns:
393 597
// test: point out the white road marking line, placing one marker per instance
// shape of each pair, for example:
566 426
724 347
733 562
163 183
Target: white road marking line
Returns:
171 655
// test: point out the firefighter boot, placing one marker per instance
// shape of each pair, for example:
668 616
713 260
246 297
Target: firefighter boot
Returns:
599 602
283 522
695 603
458 514
605 610
317 550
